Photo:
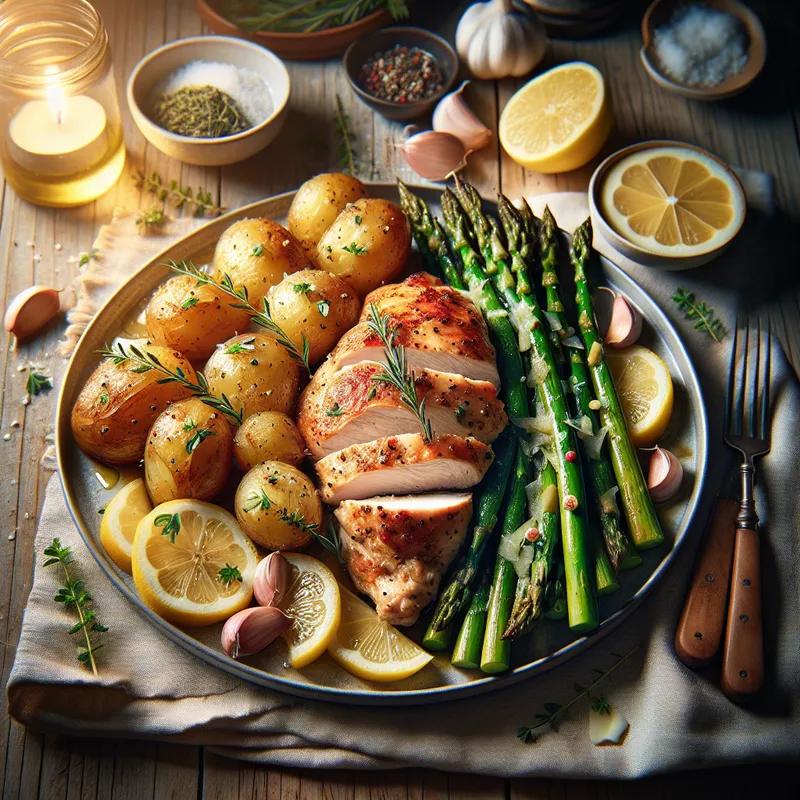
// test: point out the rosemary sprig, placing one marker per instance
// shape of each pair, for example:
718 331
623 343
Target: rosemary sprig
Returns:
74 595
179 196
348 158
298 520
330 540
37 383
396 372
196 439
261 318
310 15
553 712
703 315
145 361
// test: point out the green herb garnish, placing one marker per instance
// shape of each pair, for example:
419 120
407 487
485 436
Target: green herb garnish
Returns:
240 347
179 196
170 525
191 300
258 250
197 438
302 288
228 574
334 411
151 218
259 499
324 308
704 317
204 112
355 249
347 151
37 383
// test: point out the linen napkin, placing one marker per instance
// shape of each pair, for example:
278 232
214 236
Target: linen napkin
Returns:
149 687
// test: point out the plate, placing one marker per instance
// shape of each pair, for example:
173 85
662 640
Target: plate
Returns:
550 644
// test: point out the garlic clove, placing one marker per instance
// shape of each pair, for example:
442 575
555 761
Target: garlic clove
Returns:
625 325
607 726
31 310
453 115
434 155
252 629
664 475
271 579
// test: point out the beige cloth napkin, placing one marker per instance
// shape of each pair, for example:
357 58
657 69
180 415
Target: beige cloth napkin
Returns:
149 687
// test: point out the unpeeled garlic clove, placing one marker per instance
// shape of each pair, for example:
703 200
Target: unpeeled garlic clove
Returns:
31 310
434 154
664 475
252 629
453 115
625 325
271 579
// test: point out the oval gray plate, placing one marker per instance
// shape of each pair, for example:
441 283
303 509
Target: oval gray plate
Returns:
551 642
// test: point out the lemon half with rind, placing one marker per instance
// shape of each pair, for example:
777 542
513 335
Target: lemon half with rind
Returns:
120 519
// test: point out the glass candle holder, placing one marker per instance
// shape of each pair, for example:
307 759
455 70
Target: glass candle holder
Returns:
60 128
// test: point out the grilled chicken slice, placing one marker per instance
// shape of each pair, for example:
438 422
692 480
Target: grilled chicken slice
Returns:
338 409
402 464
397 548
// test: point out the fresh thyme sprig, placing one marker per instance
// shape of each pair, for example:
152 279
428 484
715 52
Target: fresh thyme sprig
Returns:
150 218
702 314
74 595
396 372
553 712
348 158
261 318
145 361
179 196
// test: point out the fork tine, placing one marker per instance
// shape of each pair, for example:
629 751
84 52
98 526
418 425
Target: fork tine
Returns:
754 379
729 398
740 371
763 428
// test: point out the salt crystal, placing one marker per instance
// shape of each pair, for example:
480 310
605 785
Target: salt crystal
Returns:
6 437
59 246
12 536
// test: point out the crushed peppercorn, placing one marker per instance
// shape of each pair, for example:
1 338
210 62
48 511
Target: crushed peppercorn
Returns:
401 75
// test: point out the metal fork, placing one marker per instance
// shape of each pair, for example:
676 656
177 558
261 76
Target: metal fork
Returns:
747 430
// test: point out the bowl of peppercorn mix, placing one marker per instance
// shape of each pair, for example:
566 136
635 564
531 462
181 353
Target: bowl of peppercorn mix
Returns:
400 72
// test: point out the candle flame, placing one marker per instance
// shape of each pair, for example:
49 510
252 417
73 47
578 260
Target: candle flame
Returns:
56 98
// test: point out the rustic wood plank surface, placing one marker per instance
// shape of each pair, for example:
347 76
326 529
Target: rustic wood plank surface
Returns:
758 130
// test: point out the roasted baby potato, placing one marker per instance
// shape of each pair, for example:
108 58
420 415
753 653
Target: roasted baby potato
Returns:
317 204
268 436
256 253
255 373
275 505
317 305
188 452
117 406
192 318
367 244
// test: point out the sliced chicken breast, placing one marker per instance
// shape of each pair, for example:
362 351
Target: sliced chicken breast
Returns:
339 409
402 464
397 548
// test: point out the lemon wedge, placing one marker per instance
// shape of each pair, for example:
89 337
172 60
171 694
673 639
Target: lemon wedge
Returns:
559 120
183 555
120 518
644 387
372 649
312 602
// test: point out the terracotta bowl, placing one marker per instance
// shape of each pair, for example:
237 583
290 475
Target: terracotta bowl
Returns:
295 46
660 12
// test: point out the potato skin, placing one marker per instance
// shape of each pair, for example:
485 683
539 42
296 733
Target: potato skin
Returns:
192 318
116 407
171 472
262 376
268 494
256 253
294 304
268 436
318 202
377 235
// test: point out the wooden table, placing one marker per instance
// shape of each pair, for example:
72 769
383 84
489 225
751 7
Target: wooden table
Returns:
758 130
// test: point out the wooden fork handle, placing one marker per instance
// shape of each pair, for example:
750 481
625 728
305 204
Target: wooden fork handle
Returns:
700 628
743 655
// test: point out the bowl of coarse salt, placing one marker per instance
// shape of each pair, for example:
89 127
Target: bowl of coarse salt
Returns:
209 100
702 50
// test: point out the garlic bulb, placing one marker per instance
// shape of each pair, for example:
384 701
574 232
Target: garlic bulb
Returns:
271 579
434 155
498 41
664 475
453 115
252 629
31 310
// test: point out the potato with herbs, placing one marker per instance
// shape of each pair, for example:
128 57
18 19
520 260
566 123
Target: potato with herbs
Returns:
277 505
188 452
367 245
255 373
268 436
192 318
256 253
315 304
317 204
118 404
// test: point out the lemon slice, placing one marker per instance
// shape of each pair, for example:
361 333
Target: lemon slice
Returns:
673 201
372 649
644 386
559 120
120 518
312 601
182 553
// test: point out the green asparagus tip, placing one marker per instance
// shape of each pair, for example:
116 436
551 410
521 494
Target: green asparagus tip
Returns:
548 222
581 241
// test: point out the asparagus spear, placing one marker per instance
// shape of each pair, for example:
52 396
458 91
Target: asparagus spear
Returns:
467 649
640 513
576 542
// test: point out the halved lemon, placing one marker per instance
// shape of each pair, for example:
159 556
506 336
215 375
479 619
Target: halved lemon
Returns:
313 603
644 387
187 558
559 120
120 518
372 649
674 201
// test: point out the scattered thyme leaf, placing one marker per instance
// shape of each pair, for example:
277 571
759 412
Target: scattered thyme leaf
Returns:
38 383
93 254
228 574
460 411
150 218
241 347
170 525
197 438
191 300
334 411
703 315
259 499
303 288
103 399
355 249
258 250
179 196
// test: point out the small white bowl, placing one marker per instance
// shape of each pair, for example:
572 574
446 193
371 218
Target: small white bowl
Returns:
212 152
